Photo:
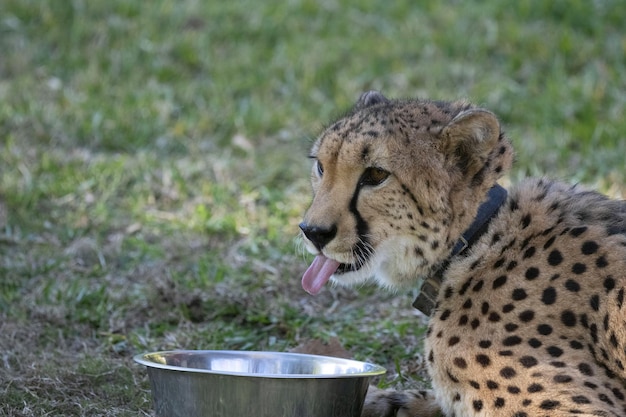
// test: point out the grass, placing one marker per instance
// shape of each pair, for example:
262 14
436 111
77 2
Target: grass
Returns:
152 168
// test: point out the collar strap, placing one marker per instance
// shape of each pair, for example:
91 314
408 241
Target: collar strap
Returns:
427 298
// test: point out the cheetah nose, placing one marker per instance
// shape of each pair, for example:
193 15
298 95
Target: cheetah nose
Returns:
320 236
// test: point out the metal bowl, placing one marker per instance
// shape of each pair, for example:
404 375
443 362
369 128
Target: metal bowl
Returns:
221 383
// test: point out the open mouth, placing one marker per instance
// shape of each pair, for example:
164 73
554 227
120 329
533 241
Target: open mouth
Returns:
345 268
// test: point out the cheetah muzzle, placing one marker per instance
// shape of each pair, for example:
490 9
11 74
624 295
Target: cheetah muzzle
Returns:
528 315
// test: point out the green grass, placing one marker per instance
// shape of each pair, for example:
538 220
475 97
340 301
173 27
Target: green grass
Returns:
153 167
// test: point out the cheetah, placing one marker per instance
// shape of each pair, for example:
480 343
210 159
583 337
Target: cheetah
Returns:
524 288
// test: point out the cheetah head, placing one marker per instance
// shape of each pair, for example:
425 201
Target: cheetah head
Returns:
395 184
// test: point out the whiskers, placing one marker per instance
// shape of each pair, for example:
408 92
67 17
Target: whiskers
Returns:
300 246
354 259
363 251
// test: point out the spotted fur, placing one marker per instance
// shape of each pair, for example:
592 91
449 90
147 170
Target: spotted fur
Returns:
531 320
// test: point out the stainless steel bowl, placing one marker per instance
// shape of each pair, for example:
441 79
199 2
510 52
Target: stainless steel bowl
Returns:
220 383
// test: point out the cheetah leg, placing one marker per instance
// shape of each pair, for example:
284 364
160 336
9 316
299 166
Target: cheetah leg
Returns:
390 403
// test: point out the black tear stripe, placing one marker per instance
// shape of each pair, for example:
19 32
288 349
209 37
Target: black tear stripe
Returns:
362 229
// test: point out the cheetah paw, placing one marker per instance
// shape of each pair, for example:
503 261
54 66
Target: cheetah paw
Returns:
392 403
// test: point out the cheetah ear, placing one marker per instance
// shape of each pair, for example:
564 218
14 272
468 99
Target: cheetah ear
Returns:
370 98
470 137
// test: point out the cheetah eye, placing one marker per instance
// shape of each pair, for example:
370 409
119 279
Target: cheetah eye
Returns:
319 168
373 176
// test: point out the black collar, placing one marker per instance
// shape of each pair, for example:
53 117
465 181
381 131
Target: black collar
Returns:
427 298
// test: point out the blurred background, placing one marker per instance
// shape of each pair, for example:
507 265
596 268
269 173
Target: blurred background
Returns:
153 168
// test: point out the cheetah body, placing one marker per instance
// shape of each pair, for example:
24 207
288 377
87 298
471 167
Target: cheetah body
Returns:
530 319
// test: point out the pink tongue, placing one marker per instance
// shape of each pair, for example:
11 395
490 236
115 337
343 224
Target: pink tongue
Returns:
318 274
